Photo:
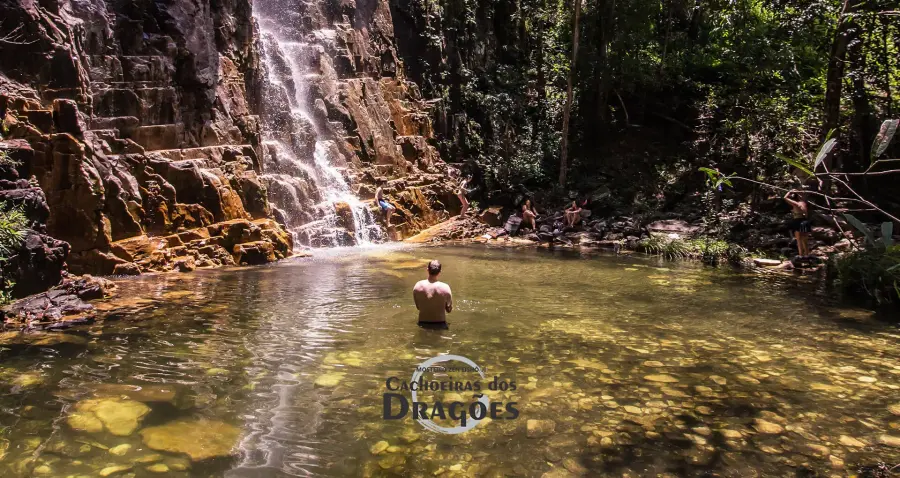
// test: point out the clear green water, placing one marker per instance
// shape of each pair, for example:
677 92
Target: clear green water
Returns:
644 368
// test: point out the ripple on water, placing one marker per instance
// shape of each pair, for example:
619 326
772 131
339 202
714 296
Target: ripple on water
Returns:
640 369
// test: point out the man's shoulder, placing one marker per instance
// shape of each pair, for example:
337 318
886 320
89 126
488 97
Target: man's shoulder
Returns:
421 284
443 286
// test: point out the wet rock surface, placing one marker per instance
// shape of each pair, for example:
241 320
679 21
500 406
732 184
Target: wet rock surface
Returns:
62 305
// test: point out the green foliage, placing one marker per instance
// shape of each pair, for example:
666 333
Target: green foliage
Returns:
707 249
716 179
13 223
824 151
874 271
6 287
7 161
887 231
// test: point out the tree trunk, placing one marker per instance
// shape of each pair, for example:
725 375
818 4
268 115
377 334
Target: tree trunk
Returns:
885 60
606 35
834 77
541 77
862 110
662 63
564 147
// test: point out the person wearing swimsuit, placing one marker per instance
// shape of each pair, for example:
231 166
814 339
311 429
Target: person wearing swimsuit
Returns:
385 206
799 226
433 299
529 213
461 194
573 214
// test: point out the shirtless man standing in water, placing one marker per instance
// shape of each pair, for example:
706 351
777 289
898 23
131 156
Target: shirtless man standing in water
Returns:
433 299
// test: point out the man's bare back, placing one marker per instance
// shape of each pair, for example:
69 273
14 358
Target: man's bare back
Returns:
433 297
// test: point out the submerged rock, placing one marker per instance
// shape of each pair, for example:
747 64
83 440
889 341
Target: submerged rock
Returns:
120 450
28 380
767 427
851 442
379 447
661 378
331 379
114 470
889 440
199 439
147 393
158 468
540 428
121 417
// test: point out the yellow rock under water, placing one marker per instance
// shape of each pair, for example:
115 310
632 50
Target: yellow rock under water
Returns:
114 470
199 439
28 380
331 379
84 422
662 378
121 417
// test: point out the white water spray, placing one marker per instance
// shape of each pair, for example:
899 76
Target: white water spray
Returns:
301 168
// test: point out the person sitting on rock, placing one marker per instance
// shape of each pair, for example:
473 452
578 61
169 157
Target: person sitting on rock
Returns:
386 207
529 213
573 214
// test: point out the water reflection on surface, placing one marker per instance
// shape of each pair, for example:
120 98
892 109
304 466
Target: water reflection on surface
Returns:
625 366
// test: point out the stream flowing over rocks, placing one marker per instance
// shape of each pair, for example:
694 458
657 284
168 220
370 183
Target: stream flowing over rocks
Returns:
149 136
232 372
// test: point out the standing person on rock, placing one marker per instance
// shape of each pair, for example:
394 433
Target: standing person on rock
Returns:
433 298
799 226
386 207
461 191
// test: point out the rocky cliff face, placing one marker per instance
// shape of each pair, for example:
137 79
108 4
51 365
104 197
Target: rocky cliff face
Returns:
148 133
133 121
333 86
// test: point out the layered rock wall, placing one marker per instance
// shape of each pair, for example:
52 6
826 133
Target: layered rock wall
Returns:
140 122
133 120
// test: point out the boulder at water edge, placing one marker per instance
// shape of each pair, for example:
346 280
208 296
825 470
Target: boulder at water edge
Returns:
118 416
199 439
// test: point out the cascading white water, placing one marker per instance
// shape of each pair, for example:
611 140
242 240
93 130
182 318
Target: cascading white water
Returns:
302 169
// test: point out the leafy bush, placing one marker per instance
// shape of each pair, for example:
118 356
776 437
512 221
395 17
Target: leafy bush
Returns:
873 271
7 160
13 223
707 249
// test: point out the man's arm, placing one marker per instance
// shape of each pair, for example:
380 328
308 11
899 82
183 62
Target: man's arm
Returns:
449 305
416 297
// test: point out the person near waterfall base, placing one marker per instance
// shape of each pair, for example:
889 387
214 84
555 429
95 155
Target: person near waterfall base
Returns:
433 299
386 208
461 190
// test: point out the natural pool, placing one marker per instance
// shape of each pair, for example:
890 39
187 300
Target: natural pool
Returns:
624 366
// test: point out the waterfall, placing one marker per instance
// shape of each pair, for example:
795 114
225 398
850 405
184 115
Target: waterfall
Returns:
305 172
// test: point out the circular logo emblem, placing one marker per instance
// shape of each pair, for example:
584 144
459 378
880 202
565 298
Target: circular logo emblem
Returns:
427 423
